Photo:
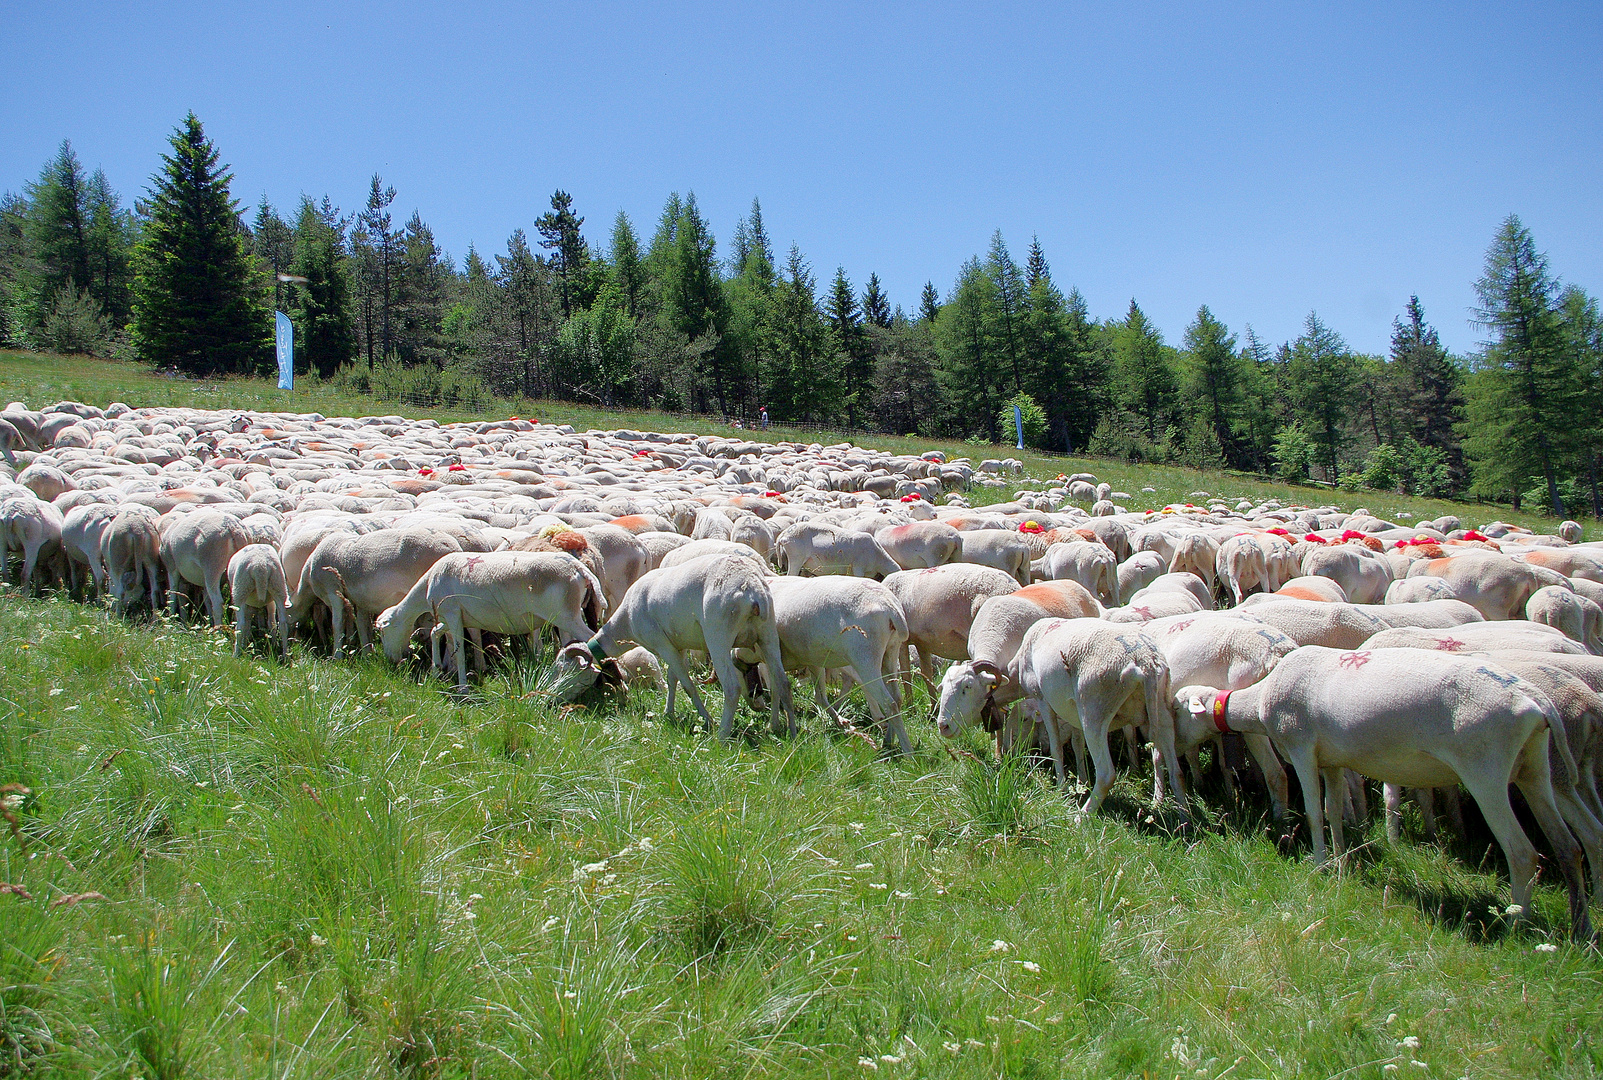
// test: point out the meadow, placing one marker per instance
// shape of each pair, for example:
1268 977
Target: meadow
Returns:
219 867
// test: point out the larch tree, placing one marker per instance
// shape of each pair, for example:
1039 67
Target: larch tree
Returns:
1527 391
196 303
1321 373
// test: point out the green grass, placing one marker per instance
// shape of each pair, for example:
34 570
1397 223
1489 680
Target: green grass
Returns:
40 379
333 868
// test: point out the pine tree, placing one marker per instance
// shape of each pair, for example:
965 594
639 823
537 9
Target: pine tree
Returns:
1035 267
322 313
57 224
1145 381
376 251
570 255
531 309
806 384
1529 386
876 309
929 303
973 366
420 307
113 232
195 302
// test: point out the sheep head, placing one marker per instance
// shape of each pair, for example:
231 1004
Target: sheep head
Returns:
966 688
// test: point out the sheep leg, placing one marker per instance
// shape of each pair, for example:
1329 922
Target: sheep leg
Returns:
1587 829
1426 797
1096 740
1455 810
1054 742
782 706
1393 795
1274 773
336 609
1335 791
241 628
214 602
1491 794
280 619
822 695
1308 777
1160 726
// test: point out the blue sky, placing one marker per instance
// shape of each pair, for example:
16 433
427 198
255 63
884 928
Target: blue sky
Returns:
1263 160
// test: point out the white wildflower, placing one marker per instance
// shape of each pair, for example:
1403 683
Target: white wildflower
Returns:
318 941
56 691
1391 1019
1514 909
878 885
549 923
12 802
1001 946
1032 967
951 1047
1410 1043
864 866
868 1063
890 1059
1547 947
856 826
900 895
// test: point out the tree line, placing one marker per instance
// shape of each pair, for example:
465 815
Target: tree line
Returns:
187 279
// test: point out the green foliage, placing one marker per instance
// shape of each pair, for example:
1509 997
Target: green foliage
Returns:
75 323
196 302
1294 452
1384 469
322 313
1034 417
1143 375
1321 372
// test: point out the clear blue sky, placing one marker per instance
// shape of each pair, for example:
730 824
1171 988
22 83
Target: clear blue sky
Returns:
1263 160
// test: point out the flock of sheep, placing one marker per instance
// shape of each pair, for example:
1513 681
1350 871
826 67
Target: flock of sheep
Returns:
1424 656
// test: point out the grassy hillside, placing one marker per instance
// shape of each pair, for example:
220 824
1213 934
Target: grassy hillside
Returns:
225 867
330 868
40 379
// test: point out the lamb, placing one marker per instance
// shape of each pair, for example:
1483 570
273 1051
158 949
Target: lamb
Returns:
1415 720
256 583
1243 565
714 604
505 592
1196 553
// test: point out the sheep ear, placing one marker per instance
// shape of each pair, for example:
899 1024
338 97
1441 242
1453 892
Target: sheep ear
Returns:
1197 707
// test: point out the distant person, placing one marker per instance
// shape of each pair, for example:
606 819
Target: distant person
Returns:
762 415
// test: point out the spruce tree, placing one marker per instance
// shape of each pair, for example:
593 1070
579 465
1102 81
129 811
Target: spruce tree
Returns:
876 309
628 273
57 223
322 316
273 245
1214 371
1322 373
929 303
1432 385
196 304
851 343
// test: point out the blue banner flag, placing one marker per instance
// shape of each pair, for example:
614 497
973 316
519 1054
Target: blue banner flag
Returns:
1018 424
286 351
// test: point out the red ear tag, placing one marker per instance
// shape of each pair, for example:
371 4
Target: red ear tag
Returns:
1219 707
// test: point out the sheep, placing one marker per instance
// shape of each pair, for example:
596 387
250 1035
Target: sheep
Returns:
1002 548
195 549
1577 617
819 548
1139 571
1478 637
1362 575
256 583
1498 585
714 604
370 573
921 544
1416 720
31 528
1092 565
1196 553
1096 678
505 592
838 622
940 604
130 549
